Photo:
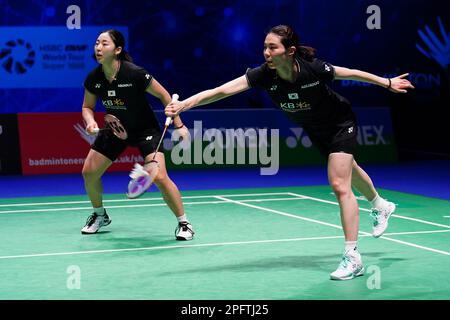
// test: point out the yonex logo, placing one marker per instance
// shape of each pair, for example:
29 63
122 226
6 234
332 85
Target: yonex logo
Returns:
327 68
147 76
149 138
18 56
300 136
350 130
97 85
273 88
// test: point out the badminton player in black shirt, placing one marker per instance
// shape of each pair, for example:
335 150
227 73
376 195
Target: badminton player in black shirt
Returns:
297 83
122 88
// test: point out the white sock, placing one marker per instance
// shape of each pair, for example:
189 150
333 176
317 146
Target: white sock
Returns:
100 211
378 202
351 246
182 218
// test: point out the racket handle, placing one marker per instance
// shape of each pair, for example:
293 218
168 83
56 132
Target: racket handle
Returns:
169 119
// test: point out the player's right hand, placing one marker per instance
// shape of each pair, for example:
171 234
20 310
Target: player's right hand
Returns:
92 128
174 108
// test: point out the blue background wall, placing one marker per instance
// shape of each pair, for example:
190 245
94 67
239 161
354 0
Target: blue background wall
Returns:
194 45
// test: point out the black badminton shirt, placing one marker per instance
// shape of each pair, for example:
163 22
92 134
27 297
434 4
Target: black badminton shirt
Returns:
309 101
125 97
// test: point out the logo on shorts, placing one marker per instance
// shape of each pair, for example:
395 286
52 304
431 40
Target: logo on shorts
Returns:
97 85
350 130
149 138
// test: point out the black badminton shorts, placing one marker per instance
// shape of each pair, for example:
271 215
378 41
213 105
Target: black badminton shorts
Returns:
337 138
111 147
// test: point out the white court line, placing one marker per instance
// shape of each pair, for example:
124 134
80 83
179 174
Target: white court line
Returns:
197 245
142 205
261 208
368 210
167 247
141 199
332 225
414 232
196 197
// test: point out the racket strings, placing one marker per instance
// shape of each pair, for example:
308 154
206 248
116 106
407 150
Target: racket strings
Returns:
114 124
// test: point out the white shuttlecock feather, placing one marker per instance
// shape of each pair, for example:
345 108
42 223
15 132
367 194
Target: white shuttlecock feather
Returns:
138 171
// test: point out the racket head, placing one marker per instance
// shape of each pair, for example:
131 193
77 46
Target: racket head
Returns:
116 126
143 180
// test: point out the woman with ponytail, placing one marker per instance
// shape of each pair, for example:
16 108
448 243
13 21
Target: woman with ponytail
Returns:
122 87
297 82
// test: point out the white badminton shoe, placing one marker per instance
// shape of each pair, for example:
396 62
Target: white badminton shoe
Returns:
380 218
184 231
94 222
350 267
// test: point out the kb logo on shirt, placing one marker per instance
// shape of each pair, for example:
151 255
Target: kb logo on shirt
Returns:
114 104
294 107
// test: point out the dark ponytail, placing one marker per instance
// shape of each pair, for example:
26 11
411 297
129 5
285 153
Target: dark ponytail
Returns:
290 38
307 53
119 41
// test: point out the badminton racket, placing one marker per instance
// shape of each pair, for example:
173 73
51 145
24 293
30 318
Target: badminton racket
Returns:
113 124
142 177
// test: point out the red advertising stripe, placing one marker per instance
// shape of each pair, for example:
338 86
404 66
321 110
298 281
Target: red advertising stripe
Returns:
56 143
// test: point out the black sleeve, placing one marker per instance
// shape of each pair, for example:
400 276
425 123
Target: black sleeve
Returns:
142 79
89 83
324 70
256 77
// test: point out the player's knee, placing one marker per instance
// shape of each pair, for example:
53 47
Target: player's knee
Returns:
340 188
161 179
89 174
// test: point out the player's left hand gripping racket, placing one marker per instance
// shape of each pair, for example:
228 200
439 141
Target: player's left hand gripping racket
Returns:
142 177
